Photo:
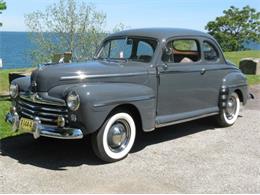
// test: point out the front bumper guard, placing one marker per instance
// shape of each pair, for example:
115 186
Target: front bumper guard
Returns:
44 130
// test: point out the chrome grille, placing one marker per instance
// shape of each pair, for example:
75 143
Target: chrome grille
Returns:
46 112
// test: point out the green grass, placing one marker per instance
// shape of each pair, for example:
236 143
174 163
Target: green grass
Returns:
236 56
253 79
4 80
5 130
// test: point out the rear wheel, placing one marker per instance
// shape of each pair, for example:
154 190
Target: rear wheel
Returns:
116 137
228 115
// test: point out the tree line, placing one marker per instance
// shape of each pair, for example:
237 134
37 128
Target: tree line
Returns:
2 7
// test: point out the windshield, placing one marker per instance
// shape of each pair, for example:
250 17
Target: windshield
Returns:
138 49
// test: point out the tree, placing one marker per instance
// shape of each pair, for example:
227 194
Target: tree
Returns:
235 28
119 27
2 7
69 25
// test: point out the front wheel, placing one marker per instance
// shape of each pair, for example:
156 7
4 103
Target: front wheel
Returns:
116 137
228 115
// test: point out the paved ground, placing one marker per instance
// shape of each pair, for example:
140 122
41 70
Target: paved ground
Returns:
194 157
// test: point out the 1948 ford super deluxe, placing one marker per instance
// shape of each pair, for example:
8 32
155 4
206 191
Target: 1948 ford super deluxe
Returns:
139 80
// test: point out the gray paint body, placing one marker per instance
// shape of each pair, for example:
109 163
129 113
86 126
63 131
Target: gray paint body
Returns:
161 95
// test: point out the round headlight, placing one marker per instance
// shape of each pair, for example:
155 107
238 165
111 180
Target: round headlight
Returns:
73 101
13 90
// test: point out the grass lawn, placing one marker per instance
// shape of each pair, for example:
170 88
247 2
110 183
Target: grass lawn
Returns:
235 57
4 80
5 130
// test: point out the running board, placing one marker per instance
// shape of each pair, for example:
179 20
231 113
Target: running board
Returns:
158 125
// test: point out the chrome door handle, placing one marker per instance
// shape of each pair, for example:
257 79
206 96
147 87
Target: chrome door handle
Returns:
165 67
203 70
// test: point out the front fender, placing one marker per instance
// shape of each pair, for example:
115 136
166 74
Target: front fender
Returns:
98 100
24 83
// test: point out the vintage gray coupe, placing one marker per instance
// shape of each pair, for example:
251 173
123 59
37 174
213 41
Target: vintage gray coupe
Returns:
139 80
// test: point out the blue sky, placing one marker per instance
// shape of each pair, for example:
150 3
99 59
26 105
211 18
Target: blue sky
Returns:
192 14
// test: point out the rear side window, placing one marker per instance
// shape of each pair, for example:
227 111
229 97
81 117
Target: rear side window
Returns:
210 52
183 51
185 45
144 49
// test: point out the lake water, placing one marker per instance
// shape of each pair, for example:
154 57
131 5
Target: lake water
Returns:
15 49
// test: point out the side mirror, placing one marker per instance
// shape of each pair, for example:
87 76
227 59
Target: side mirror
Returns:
129 42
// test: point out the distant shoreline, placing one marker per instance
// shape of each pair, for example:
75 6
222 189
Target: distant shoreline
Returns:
15 52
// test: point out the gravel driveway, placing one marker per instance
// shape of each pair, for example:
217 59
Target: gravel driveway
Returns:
195 157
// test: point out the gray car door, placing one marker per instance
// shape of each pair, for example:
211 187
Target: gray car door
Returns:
184 87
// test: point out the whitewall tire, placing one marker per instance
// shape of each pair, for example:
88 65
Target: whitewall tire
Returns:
116 137
229 115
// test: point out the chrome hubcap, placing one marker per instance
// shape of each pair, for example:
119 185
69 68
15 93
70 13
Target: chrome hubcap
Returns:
231 107
118 135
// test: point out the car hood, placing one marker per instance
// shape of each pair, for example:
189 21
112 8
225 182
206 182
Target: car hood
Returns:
49 76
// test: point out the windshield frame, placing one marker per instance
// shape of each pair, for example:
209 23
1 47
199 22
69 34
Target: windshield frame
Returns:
110 38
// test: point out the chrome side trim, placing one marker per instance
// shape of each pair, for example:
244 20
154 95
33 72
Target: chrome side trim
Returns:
189 71
132 99
238 85
185 120
84 76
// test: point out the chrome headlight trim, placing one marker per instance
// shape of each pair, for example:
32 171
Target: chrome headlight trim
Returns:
73 101
13 90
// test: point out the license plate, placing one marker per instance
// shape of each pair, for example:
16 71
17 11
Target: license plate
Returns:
26 124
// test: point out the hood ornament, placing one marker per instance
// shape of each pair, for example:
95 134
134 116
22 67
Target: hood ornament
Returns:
33 86
34 97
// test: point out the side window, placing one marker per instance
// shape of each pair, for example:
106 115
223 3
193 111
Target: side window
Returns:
185 45
119 49
183 51
210 52
136 49
144 49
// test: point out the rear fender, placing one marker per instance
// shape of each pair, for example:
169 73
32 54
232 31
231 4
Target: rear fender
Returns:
233 82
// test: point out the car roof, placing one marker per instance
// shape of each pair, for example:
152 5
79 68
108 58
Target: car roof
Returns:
160 33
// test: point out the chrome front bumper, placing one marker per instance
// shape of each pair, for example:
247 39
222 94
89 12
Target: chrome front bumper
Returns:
44 130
